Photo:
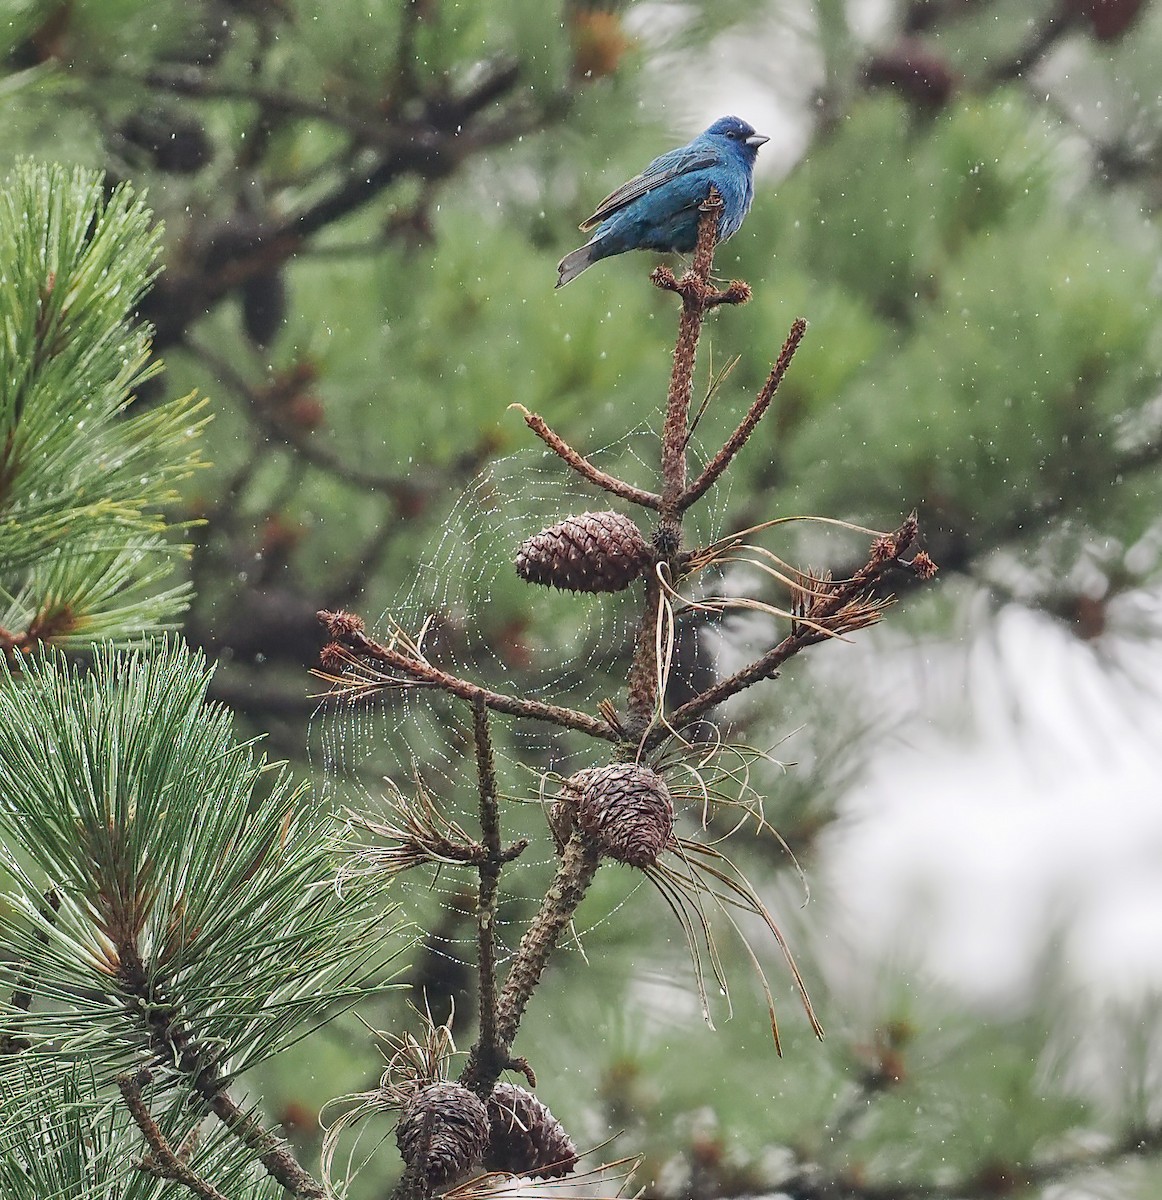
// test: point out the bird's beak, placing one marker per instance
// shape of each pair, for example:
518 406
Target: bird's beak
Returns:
756 140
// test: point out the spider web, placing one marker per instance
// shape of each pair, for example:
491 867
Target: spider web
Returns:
482 623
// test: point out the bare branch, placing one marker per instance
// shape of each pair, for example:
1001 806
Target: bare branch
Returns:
273 1152
583 467
578 866
489 882
692 288
490 1054
746 427
409 670
827 607
162 1161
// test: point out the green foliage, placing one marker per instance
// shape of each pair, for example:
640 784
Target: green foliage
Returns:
159 870
82 479
982 331
59 1140
983 344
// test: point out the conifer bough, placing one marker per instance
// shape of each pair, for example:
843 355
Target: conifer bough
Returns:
623 810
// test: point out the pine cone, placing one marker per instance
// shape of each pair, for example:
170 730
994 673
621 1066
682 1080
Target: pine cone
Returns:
524 1138
592 552
443 1132
626 809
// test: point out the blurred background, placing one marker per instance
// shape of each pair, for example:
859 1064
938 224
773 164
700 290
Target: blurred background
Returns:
364 201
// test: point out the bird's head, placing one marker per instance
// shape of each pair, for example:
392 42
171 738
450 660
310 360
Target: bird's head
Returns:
737 131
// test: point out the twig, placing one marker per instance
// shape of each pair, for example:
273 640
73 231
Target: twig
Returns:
347 631
887 554
626 491
490 1055
578 866
746 427
273 1152
10 1040
178 1045
698 297
162 1161
643 671
489 874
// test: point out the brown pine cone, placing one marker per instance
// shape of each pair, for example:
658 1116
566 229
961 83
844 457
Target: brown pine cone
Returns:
443 1132
626 809
592 552
524 1137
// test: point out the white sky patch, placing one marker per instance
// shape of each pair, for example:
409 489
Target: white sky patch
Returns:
1042 816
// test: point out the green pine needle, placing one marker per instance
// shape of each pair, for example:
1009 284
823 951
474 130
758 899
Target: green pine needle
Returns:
189 882
60 1140
84 473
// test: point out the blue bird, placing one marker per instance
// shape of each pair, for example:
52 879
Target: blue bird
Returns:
658 209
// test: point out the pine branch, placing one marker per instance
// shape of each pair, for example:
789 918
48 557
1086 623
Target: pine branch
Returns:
84 547
490 1055
180 1049
828 612
356 670
719 463
583 467
162 1161
61 1136
193 880
624 810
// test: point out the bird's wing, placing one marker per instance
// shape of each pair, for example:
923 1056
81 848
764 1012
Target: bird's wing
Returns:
660 171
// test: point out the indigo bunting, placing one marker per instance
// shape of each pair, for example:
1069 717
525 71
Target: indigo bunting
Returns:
658 209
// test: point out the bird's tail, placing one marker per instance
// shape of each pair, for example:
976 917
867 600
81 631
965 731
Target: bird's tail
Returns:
574 263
